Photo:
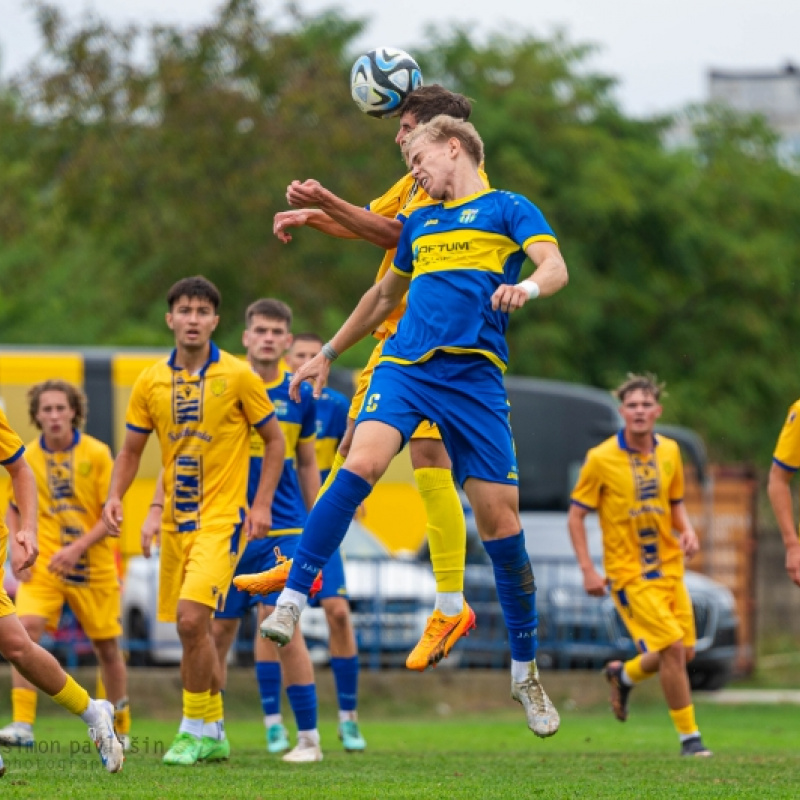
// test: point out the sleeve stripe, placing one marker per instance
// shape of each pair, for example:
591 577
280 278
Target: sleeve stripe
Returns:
264 421
13 458
575 502
137 429
784 466
542 237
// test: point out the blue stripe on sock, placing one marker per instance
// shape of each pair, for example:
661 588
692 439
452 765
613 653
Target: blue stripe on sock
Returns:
516 591
325 528
345 675
303 700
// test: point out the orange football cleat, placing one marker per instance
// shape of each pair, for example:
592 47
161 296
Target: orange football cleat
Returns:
441 633
273 580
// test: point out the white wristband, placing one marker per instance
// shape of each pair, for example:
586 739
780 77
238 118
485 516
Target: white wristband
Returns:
531 287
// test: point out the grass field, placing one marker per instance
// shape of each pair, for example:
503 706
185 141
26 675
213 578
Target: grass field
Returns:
757 754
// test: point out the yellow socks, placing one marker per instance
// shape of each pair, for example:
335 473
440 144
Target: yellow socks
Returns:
633 669
446 531
23 705
214 709
73 697
684 721
122 717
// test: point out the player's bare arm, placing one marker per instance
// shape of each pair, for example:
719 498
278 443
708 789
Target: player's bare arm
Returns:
780 496
311 218
126 465
549 277
689 542
373 308
151 527
25 548
307 471
360 222
259 518
593 582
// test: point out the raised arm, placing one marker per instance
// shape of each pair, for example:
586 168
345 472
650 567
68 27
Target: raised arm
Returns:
549 276
373 308
359 222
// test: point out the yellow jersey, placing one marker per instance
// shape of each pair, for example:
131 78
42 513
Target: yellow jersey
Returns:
787 450
11 448
633 493
72 485
203 425
404 197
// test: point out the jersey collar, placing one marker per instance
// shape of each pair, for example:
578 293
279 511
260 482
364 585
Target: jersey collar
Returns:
76 437
213 358
623 445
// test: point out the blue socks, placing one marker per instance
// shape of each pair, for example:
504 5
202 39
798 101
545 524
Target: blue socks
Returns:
345 675
516 591
326 527
303 700
268 677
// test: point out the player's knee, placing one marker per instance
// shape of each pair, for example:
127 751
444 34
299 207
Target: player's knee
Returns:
338 615
108 651
191 626
16 647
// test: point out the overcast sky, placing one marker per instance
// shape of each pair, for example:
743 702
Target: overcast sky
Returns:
659 51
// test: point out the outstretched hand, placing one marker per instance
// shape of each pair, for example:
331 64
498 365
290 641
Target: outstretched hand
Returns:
295 218
316 370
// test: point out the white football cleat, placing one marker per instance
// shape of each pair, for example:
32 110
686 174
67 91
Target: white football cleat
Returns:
105 738
17 734
279 626
542 716
307 750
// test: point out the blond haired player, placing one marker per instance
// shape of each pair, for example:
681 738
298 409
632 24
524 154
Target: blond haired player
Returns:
379 224
634 480
76 564
34 663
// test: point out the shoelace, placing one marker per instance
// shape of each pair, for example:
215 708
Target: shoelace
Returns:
183 744
281 559
436 626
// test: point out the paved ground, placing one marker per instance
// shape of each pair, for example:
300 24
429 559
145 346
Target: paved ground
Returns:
767 697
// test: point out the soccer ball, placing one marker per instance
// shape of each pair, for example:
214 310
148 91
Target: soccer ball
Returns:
382 78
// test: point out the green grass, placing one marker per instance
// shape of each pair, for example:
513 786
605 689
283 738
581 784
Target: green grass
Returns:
757 754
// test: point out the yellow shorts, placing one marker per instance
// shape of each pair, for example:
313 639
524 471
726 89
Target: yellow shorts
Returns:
657 613
98 609
197 566
6 603
425 430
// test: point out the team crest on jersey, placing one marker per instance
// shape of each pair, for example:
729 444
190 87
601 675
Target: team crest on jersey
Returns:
468 215
218 386
84 468
280 406
431 222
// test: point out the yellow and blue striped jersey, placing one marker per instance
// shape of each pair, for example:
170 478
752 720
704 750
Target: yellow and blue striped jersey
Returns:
297 421
456 255
11 448
787 449
633 492
332 411
402 199
203 425
72 486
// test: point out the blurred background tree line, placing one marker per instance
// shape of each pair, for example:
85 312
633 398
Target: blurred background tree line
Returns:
130 158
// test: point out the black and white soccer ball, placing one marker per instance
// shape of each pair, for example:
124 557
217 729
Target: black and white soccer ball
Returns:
382 78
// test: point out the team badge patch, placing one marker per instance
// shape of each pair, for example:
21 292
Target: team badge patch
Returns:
84 468
218 386
468 215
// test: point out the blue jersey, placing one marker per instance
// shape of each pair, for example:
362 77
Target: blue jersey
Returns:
298 423
332 411
456 255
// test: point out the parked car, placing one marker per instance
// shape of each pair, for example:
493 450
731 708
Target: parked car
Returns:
577 631
390 599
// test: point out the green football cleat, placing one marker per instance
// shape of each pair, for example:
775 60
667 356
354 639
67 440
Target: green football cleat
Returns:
351 737
184 751
214 749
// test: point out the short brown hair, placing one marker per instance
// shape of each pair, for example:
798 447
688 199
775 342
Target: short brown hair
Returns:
306 336
646 382
441 128
194 287
75 397
427 102
270 308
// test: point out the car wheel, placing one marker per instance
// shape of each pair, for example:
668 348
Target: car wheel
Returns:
138 655
709 681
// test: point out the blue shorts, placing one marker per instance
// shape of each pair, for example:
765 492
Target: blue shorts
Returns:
465 396
333 580
259 556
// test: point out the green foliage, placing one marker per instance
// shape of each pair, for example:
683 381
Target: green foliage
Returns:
120 174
